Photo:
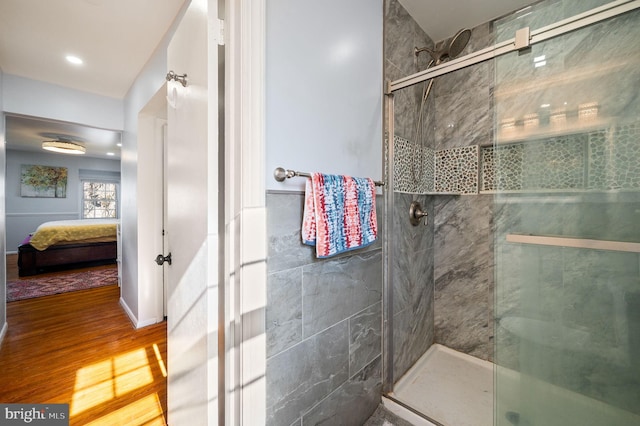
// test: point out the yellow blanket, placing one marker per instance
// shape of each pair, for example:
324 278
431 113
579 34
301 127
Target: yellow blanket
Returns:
50 233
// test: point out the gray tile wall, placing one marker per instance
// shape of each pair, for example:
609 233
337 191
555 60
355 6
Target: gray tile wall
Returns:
324 320
413 284
442 273
413 159
412 247
463 264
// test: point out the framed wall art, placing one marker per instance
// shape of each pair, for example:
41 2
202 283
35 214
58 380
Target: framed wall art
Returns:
43 181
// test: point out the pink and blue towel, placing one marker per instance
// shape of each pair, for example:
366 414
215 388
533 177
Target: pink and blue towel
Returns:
339 213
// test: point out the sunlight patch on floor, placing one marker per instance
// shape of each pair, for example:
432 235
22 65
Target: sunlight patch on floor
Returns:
145 411
105 380
160 360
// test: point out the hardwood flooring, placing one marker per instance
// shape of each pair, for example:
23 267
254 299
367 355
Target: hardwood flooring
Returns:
80 349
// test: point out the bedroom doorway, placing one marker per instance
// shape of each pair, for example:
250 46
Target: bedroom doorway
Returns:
151 215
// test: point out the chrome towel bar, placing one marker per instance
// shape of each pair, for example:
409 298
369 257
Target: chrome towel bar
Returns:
280 174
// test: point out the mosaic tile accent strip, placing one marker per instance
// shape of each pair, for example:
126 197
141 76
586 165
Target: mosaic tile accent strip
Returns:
501 168
555 163
614 158
457 170
413 167
551 164
605 159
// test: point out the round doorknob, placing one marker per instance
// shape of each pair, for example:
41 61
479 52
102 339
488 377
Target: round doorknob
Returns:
160 259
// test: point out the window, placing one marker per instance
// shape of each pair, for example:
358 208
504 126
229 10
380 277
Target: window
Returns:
99 199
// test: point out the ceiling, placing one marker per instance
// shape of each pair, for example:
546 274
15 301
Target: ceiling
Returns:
441 19
28 133
115 38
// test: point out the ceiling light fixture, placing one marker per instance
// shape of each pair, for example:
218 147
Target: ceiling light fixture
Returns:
64 147
74 60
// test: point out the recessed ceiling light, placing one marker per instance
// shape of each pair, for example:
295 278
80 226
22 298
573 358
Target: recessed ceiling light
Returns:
118 144
74 60
110 153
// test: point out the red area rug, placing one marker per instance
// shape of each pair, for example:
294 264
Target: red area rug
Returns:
37 286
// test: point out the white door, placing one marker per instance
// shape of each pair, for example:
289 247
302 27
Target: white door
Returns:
192 217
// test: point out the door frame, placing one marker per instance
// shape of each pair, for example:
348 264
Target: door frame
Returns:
152 119
245 213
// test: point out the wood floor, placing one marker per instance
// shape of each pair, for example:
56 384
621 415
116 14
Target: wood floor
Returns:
80 348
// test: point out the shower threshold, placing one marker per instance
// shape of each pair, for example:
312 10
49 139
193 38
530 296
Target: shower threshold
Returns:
447 386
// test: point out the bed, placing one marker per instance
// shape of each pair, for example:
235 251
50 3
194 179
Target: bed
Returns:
68 244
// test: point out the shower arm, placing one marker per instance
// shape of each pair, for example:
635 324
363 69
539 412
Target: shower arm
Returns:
417 51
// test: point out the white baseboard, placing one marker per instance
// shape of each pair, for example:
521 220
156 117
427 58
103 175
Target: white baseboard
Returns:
136 323
3 332
129 313
148 322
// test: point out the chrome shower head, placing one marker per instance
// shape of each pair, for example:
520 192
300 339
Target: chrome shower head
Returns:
449 49
458 42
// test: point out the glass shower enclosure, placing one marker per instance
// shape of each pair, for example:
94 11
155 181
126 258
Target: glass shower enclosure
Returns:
517 300
565 169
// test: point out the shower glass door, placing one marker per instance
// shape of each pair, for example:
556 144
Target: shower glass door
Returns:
565 170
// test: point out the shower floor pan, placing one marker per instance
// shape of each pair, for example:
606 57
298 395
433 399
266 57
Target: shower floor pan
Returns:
450 387
455 389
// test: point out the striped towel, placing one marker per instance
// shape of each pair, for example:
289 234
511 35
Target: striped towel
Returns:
339 213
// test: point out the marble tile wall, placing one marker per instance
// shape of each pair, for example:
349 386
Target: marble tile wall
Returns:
413 284
446 297
412 247
463 239
324 320
402 35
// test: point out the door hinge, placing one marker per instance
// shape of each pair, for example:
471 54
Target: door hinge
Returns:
218 31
